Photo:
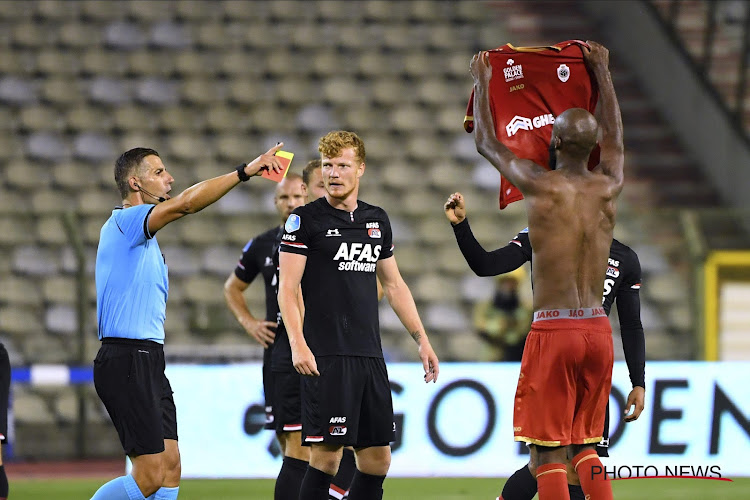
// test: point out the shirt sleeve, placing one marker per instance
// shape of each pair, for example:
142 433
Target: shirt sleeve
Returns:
484 263
631 329
296 237
387 250
247 268
133 223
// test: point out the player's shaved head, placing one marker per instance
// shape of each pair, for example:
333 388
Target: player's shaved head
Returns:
574 133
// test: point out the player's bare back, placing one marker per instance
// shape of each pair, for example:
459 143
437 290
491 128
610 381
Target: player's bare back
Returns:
570 229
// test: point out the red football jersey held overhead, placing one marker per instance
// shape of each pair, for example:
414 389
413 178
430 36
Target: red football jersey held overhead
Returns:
530 86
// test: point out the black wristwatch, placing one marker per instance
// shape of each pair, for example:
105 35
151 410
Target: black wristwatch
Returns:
241 172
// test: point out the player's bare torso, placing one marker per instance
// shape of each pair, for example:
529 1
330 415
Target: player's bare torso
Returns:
570 229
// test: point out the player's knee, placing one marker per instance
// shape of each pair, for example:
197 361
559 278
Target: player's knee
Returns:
327 461
297 451
375 461
173 468
151 477
533 460
547 455
572 474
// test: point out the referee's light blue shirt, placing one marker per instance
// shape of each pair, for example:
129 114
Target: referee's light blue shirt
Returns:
131 278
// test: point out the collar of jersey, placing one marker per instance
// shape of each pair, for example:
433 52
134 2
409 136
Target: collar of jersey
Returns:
345 213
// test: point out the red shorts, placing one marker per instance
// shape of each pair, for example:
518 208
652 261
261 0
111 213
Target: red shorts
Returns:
565 379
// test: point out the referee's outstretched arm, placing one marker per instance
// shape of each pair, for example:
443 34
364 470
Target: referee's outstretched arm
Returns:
200 195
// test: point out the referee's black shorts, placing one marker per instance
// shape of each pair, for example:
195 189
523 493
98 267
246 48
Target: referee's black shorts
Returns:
349 404
129 378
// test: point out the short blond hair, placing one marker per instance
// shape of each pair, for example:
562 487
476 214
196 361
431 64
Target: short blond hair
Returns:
333 143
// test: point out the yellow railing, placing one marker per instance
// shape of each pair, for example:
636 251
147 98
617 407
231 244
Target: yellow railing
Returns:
715 270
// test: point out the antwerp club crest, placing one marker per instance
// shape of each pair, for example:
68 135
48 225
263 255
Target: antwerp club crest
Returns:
563 72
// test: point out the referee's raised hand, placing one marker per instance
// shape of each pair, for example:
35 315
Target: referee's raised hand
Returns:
266 161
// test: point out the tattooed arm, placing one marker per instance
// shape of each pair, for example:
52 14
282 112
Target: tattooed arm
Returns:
402 302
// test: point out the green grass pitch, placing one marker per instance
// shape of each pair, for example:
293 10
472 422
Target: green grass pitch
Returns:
395 489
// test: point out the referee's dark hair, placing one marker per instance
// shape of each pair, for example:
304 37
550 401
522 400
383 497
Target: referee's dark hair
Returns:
126 163
308 170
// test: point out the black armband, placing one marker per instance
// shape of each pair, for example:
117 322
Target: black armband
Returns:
241 172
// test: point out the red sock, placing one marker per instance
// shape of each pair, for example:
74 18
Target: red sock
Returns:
552 480
595 486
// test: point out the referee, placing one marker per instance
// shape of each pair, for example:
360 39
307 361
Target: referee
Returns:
131 297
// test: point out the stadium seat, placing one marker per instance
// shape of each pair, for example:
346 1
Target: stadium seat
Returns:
382 67
20 291
60 319
237 202
123 35
20 321
190 63
188 147
30 408
59 289
31 35
97 11
202 92
170 35
157 91
450 260
446 315
474 288
240 228
464 345
77 35
12 203
147 11
202 230
50 231
245 91
99 63
93 148
146 61
179 118
27 175
46 201
108 90
212 35
385 12
424 148
432 287
206 290
220 260
181 260
53 61
48 146
15 90
97 202
426 204
133 118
